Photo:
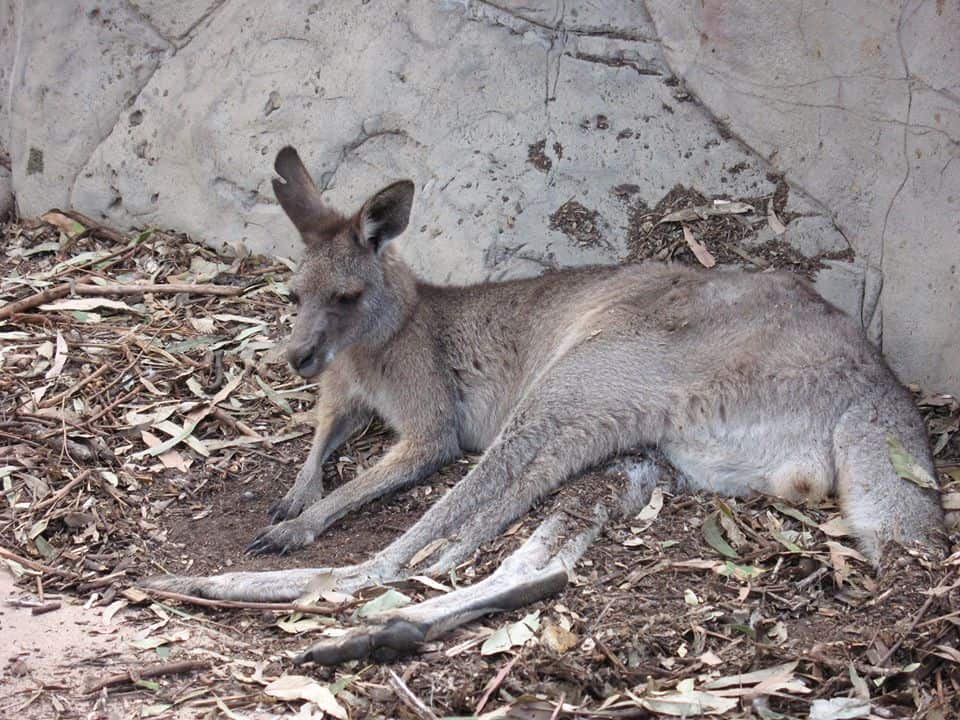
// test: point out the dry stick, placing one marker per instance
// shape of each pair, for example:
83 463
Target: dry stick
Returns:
57 399
122 399
494 684
140 288
48 607
150 671
913 623
235 424
406 696
27 303
61 291
92 226
59 494
324 609
842 665
39 567
556 711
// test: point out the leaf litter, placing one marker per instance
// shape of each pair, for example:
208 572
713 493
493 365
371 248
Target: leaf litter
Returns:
168 459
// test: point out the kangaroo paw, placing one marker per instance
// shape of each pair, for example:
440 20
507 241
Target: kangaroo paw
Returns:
304 493
281 538
286 508
382 643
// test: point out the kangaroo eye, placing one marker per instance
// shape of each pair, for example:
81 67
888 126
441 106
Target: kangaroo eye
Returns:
346 299
293 297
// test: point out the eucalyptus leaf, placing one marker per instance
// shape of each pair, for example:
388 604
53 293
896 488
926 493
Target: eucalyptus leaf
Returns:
714 536
906 465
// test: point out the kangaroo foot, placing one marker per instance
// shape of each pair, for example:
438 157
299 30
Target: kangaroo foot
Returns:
307 489
281 538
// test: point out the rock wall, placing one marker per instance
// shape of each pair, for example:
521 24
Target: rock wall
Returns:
859 104
537 131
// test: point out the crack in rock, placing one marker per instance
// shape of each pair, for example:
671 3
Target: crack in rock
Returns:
326 178
235 193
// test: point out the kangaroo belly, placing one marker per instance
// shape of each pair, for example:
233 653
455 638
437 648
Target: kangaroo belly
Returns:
789 457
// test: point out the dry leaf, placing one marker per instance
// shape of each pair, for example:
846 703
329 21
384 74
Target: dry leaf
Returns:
426 551
702 212
702 254
512 635
906 465
84 304
950 501
66 225
838 558
557 638
301 687
59 360
839 708
835 527
390 600
112 609
773 221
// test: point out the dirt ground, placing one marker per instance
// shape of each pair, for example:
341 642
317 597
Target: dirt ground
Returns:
150 433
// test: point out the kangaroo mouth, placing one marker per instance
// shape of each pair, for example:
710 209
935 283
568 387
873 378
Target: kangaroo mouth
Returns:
314 362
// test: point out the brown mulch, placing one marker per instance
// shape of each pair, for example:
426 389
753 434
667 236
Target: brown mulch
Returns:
722 235
151 431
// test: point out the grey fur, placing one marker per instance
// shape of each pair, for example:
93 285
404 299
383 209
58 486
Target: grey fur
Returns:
744 382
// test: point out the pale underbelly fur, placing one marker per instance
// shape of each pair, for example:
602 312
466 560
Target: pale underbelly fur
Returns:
790 458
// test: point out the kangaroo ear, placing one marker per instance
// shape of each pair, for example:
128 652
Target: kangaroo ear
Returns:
297 193
386 214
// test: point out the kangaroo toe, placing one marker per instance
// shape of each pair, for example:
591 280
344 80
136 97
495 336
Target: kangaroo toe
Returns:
281 538
284 509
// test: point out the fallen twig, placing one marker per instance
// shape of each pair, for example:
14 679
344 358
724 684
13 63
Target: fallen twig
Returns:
92 227
45 608
494 684
842 666
32 301
57 399
61 291
39 567
132 676
406 696
56 497
140 288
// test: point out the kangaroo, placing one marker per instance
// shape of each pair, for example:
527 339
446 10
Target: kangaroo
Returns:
744 382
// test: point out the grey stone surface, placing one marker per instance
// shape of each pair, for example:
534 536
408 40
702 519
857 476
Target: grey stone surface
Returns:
815 235
75 68
457 99
6 193
842 283
858 103
163 113
8 50
175 20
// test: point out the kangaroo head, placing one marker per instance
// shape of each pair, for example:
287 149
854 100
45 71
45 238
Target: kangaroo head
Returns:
341 287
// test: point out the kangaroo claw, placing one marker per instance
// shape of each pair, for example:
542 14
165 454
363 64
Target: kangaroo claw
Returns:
281 538
283 509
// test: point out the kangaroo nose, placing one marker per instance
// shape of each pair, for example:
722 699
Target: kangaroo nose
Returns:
302 357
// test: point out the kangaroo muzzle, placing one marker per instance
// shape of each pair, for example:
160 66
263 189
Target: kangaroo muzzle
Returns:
309 359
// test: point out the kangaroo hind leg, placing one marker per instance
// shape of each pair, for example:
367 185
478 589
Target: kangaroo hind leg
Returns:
538 569
880 505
